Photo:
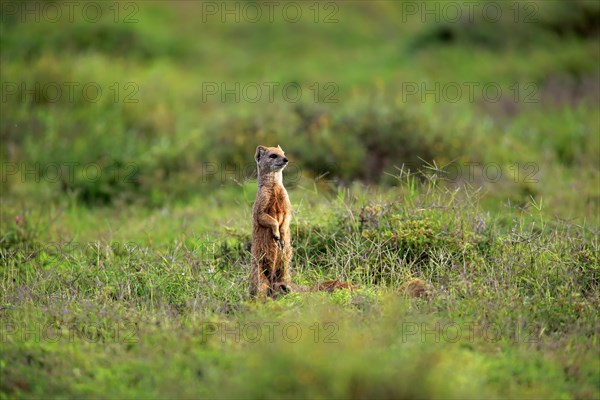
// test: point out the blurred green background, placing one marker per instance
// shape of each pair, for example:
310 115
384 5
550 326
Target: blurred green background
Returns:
173 95
455 142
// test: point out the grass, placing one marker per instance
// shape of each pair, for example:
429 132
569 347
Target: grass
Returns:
125 226
514 296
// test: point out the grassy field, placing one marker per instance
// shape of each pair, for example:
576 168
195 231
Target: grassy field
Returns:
453 142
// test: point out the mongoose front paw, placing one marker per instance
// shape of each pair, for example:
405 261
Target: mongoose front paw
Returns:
279 241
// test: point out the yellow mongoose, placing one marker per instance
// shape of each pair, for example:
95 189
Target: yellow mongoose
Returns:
271 240
271 215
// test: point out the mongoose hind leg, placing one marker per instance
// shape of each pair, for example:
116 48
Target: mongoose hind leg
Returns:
281 280
259 283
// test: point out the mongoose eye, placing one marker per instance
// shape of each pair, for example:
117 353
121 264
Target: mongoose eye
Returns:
273 156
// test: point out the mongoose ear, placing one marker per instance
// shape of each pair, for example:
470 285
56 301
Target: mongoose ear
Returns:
260 151
279 147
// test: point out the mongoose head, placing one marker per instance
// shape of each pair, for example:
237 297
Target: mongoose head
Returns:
270 158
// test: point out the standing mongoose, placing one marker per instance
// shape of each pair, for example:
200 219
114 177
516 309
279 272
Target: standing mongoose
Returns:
271 214
271 240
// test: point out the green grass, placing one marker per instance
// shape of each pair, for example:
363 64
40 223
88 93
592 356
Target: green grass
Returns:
514 301
133 283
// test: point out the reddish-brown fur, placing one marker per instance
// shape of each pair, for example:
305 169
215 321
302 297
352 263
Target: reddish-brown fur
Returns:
271 215
271 240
